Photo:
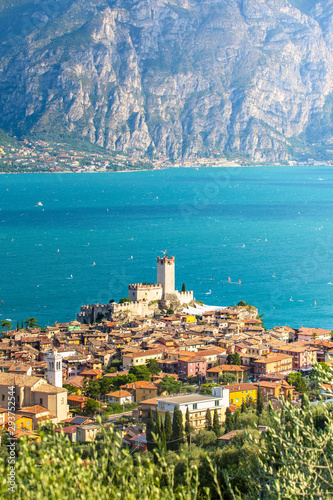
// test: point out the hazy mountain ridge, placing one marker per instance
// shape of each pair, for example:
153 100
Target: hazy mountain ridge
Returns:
245 77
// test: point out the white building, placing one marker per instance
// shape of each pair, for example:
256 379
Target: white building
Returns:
197 405
121 397
54 369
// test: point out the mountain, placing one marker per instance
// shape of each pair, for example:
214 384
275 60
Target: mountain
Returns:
246 78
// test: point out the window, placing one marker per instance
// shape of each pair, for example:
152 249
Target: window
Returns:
217 403
195 406
231 401
2 397
41 401
236 400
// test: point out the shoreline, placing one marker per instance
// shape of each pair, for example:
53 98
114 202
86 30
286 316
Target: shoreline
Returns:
167 168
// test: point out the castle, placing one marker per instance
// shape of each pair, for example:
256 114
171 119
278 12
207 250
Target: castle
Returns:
164 288
141 295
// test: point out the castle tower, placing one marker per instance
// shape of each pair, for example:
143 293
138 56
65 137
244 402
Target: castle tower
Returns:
54 369
166 274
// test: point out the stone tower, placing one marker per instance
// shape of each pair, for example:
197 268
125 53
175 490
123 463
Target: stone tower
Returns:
166 274
54 369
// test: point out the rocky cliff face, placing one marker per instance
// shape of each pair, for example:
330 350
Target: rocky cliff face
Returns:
177 78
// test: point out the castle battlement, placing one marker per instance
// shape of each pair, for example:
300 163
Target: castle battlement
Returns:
141 294
135 286
165 260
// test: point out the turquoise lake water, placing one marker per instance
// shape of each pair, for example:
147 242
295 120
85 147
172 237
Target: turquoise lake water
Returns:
269 227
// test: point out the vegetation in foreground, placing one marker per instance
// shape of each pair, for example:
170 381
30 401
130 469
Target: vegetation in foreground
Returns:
291 460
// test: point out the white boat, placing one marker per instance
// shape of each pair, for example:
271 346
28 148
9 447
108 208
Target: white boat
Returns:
39 204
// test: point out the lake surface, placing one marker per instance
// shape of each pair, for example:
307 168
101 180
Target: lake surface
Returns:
270 227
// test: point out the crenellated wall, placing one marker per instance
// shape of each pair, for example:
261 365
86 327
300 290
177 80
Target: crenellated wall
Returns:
145 291
185 297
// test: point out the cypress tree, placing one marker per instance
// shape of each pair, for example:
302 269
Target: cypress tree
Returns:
243 407
22 325
157 425
149 431
304 402
216 424
208 424
187 424
236 419
168 428
183 288
177 429
260 402
229 424
163 440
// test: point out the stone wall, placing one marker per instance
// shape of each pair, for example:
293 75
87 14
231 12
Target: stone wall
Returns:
145 291
166 274
185 297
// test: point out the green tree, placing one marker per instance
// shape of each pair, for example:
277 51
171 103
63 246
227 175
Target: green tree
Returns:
91 407
216 424
93 389
123 380
243 407
153 367
187 423
157 425
304 402
206 389
208 421
141 372
228 378
124 299
5 325
170 311
237 419
260 402
168 428
297 381
105 385
233 359
71 389
183 288
31 323
177 429
170 385
150 428
205 438
229 421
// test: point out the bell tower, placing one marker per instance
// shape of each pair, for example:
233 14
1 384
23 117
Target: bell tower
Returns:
54 369
166 274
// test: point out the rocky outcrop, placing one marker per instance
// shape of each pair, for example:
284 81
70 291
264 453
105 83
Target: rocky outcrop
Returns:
176 78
